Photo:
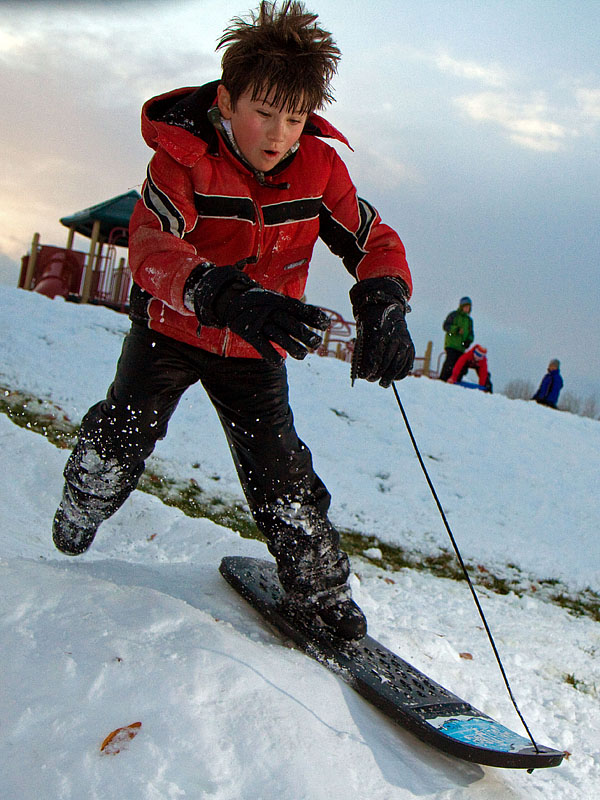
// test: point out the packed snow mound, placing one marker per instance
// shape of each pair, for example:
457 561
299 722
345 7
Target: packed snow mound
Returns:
142 628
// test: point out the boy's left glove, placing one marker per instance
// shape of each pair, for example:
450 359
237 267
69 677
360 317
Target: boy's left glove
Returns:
384 350
226 297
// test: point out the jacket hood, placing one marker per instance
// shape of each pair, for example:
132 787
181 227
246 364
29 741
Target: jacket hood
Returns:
177 121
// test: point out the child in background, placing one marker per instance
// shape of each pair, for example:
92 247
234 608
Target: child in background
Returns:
475 358
459 335
549 388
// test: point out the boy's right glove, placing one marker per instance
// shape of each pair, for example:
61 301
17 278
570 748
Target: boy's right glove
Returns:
225 297
384 350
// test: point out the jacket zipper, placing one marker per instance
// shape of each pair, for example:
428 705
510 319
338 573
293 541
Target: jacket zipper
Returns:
261 227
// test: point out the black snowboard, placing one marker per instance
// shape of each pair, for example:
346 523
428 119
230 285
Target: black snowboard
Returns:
406 695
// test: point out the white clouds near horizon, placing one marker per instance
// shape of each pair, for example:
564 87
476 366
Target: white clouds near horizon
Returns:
475 130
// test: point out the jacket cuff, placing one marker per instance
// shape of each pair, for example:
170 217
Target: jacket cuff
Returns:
379 291
191 284
210 288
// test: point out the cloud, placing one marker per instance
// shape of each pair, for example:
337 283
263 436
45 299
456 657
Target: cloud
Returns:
70 121
589 102
527 122
488 75
541 120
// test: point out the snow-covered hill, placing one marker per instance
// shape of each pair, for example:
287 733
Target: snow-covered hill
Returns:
143 629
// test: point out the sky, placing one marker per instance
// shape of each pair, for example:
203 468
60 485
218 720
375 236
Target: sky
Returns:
475 128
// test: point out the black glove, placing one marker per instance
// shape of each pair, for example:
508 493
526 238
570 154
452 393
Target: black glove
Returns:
225 297
384 350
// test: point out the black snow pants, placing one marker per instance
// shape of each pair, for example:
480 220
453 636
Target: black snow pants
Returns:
287 499
452 357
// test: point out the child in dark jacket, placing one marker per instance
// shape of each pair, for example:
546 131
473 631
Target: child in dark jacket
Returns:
459 335
552 383
239 188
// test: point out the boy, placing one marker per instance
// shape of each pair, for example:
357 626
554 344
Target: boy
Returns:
237 192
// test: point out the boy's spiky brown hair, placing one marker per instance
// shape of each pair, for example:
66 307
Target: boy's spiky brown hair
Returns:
282 55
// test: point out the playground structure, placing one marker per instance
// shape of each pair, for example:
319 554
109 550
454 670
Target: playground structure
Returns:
100 276
338 342
97 276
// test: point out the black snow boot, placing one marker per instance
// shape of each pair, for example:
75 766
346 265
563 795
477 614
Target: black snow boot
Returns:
70 538
337 611
73 528
314 571
333 612
345 618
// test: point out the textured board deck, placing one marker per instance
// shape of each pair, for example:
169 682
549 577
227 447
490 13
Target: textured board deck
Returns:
401 691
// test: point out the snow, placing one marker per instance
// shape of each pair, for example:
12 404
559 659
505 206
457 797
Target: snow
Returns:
142 628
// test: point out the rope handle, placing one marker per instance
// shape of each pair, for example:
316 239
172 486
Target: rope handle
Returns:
464 569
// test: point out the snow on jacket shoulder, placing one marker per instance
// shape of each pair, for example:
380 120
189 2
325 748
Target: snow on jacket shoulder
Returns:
201 202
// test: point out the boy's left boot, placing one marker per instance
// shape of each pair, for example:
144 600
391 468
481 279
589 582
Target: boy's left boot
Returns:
337 611
314 572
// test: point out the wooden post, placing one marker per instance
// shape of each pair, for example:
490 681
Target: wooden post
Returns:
119 281
32 261
70 238
427 359
91 263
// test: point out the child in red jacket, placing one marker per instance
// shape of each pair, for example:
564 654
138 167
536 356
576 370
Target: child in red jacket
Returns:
239 188
475 358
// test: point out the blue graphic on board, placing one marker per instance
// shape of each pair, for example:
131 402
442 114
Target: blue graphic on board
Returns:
480 731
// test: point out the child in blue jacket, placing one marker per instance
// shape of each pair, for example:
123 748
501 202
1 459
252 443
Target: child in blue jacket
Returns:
552 383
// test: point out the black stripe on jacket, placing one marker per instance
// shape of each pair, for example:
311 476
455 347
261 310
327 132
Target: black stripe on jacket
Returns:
292 211
222 207
348 245
170 217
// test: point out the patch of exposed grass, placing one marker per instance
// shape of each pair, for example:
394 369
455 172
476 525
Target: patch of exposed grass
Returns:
48 419
194 501
40 416
579 685
583 604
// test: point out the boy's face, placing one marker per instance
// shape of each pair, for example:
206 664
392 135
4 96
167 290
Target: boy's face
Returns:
264 133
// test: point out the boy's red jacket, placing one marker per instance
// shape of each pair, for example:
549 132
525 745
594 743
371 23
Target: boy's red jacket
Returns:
200 202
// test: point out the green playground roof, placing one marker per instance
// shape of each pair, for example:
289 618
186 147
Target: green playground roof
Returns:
112 214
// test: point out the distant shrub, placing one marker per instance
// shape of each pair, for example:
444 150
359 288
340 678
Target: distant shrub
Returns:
519 389
582 406
591 407
522 389
570 402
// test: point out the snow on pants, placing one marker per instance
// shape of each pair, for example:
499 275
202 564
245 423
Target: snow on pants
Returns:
288 500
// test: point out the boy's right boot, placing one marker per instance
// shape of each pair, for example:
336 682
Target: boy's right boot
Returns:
94 489
74 527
